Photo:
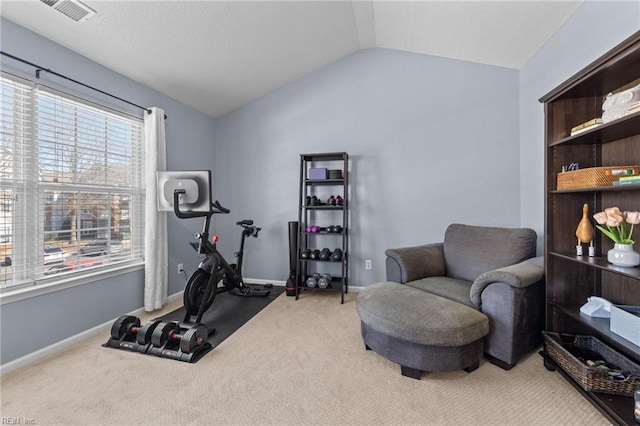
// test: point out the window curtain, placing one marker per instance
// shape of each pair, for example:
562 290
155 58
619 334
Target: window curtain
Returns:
155 236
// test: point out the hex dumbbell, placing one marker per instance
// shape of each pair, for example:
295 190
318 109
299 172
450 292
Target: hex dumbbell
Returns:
324 281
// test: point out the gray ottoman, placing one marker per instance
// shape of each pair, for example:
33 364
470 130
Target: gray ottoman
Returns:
419 330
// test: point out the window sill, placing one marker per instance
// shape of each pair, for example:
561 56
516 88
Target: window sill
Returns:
34 290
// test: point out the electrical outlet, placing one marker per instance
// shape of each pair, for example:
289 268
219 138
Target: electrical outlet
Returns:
180 268
367 264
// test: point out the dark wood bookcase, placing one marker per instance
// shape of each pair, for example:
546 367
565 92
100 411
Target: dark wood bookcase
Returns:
571 278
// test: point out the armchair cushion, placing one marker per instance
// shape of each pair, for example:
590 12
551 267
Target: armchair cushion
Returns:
450 288
469 251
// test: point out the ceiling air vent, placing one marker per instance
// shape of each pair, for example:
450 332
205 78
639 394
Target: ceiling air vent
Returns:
73 9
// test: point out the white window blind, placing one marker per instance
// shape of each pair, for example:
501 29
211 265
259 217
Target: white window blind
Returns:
72 185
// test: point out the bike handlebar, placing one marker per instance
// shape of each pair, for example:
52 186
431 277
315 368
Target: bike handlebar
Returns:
219 207
215 207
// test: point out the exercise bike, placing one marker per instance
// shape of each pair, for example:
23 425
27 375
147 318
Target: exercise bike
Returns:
187 340
204 284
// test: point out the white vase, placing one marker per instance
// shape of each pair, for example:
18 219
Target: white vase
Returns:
623 255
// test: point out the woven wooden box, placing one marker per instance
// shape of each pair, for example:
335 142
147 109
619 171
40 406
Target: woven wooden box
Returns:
592 177
592 379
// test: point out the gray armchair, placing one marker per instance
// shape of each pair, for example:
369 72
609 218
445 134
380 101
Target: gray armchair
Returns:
490 269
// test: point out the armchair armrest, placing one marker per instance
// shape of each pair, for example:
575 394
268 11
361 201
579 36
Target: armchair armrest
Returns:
412 263
520 275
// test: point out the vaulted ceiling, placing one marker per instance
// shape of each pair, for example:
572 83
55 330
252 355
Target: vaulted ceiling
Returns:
217 56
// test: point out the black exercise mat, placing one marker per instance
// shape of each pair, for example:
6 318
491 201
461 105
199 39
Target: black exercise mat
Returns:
228 312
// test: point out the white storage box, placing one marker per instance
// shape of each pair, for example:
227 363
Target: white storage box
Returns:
625 322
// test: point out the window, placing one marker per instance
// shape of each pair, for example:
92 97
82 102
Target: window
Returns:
71 185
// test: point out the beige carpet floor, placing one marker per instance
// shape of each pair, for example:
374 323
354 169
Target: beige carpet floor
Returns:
296 362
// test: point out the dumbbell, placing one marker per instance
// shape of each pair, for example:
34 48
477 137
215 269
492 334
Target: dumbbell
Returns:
126 325
336 255
312 229
312 201
305 254
144 333
325 254
129 326
312 280
167 332
324 281
315 254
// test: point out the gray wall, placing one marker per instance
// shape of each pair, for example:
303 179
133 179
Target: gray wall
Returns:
431 140
37 322
595 28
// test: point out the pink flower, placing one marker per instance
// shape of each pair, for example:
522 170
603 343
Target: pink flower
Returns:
614 216
632 217
613 223
601 218
614 220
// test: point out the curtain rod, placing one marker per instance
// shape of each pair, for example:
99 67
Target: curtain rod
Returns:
40 68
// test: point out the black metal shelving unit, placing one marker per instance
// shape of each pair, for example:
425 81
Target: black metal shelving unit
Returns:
324 216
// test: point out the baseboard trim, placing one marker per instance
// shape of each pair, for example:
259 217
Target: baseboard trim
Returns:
355 289
63 344
262 282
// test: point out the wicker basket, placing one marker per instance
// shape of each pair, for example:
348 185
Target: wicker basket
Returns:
592 379
592 176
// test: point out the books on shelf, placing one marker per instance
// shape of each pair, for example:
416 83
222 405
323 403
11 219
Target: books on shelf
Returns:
623 172
587 125
628 180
